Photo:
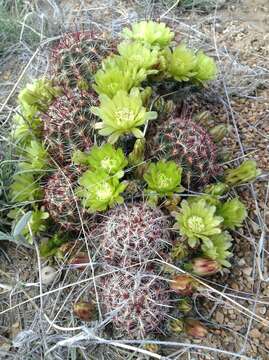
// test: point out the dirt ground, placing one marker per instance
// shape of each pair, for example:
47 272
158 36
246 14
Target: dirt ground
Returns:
239 33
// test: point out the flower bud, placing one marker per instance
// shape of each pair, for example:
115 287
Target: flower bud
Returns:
154 348
80 261
179 251
195 328
204 266
84 310
184 305
183 285
175 326
217 189
218 132
244 173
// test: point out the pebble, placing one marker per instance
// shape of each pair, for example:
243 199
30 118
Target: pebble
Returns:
247 271
219 317
48 275
255 333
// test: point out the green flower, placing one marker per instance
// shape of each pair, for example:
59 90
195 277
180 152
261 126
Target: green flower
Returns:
150 32
233 212
25 128
38 95
244 173
36 157
122 115
25 187
205 69
219 249
181 63
163 178
111 80
198 221
217 189
139 55
99 191
107 158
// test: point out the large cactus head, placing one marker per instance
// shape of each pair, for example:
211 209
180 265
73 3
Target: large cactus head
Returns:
77 56
133 233
137 302
69 124
191 146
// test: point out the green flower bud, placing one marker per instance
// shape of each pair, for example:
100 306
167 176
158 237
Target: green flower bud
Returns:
244 173
233 213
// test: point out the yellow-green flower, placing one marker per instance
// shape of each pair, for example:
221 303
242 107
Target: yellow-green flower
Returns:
111 80
139 55
35 157
219 249
205 69
244 173
107 158
99 190
198 220
181 63
163 178
150 32
25 187
233 212
123 114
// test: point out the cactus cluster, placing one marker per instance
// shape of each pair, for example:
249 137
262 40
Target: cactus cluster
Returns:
103 152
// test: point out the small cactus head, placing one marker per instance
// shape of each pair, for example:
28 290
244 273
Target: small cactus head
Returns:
137 302
60 200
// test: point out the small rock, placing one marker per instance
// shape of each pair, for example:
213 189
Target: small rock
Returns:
262 310
255 333
48 275
266 344
247 271
242 262
219 317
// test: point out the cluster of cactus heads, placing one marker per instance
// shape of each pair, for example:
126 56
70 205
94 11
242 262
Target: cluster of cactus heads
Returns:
138 302
189 145
133 233
76 58
102 158
68 124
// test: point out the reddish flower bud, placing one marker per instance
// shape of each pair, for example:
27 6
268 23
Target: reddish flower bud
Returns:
84 310
204 266
183 284
195 328
80 261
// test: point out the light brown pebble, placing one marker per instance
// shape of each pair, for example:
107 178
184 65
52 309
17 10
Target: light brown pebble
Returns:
219 317
255 333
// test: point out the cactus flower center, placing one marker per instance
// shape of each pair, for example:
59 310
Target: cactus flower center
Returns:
163 181
104 192
196 224
124 116
108 164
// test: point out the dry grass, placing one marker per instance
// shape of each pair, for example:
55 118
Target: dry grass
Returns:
39 319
